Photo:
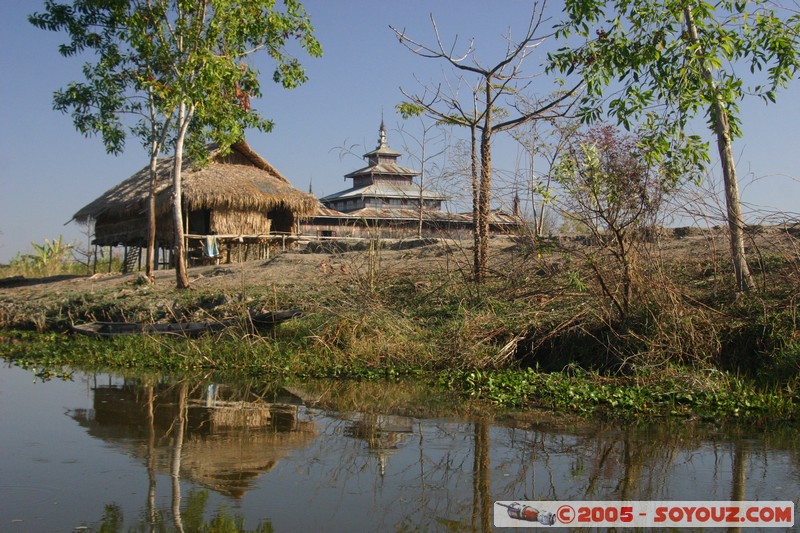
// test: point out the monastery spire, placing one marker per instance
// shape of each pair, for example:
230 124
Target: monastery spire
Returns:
382 138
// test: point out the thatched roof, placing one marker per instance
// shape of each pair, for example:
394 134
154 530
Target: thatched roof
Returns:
241 180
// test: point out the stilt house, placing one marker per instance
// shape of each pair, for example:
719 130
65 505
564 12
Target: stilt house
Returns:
236 198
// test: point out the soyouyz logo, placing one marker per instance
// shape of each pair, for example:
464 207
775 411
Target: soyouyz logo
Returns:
529 514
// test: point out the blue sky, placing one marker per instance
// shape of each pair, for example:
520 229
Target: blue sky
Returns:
48 171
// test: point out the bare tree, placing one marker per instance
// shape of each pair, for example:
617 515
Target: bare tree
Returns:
543 143
482 111
424 153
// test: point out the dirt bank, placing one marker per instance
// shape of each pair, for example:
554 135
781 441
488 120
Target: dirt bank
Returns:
300 274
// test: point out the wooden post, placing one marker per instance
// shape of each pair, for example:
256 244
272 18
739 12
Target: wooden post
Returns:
94 266
110 257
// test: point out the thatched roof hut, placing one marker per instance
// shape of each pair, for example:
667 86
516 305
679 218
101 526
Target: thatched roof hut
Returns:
236 194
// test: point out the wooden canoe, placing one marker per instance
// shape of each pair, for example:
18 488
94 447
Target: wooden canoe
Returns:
266 320
185 329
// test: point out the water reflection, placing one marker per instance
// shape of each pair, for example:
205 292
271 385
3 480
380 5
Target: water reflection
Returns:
179 456
220 437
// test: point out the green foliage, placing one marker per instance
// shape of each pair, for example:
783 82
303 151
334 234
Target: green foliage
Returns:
205 63
97 103
718 396
643 46
575 282
153 56
409 110
48 259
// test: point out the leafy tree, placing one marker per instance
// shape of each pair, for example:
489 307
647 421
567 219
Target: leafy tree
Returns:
202 45
671 60
188 58
117 84
482 111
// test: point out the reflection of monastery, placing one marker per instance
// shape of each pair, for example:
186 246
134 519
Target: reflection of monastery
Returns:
385 201
226 438
383 434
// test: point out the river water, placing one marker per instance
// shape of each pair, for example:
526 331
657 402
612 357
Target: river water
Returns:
103 452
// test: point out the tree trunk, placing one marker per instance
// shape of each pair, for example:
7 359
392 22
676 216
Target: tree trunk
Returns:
421 185
181 274
476 234
484 195
744 280
149 268
156 142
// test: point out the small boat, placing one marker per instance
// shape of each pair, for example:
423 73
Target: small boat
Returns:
266 320
117 329
185 329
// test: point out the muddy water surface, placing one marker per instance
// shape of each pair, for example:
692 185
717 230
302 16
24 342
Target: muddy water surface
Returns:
103 451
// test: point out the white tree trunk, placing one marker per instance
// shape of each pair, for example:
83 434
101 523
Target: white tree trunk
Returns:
744 280
181 274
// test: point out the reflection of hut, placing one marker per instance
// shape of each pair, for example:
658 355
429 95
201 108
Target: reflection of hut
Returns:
238 197
230 437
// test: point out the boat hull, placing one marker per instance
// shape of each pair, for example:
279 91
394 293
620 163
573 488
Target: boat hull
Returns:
184 329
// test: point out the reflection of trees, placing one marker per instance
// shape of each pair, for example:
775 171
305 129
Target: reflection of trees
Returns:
449 485
151 454
179 426
386 462
428 486
193 518
612 462
481 486
739 474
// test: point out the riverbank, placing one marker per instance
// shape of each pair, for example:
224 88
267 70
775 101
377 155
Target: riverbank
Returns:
543 331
